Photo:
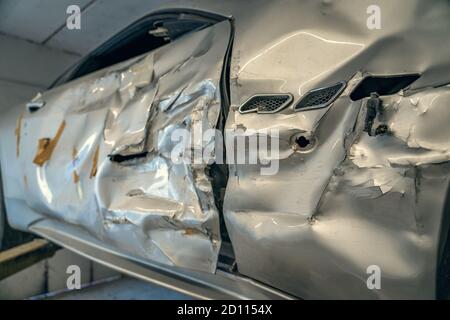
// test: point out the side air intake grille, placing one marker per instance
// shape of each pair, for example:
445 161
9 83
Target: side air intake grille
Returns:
320 98
266 103
383 85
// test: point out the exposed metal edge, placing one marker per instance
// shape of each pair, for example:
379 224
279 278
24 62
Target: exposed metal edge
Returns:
323 105
385 76
284 105
195 284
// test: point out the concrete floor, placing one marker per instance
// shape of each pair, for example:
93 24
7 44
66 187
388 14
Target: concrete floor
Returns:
124 288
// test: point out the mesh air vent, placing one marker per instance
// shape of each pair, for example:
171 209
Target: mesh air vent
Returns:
320 98
266 103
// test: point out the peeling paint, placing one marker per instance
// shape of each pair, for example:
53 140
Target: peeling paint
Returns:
17 132
46 146
93 172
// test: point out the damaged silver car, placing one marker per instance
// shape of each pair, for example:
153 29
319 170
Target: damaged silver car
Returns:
356 119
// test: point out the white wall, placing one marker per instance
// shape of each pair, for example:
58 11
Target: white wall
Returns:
27 68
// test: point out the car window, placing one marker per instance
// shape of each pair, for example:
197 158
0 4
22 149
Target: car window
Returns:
144 35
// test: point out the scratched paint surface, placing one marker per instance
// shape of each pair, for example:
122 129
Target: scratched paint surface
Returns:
351 200
147 206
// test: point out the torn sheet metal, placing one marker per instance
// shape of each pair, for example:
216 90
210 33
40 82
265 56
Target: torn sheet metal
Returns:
350 201
145 205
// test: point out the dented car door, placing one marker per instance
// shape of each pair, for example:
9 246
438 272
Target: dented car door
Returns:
97 152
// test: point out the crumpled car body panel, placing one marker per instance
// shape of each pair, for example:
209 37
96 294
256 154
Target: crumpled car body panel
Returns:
331 212
146 205
353 201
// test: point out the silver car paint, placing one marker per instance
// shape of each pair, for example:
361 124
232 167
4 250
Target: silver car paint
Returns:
150 207
352 201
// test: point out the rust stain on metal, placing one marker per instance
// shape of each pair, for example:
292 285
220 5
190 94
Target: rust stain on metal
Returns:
76 177
46 146
94 163
17 133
